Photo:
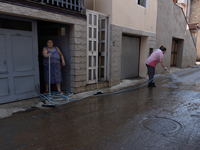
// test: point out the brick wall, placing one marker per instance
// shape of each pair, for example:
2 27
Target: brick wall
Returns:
78 56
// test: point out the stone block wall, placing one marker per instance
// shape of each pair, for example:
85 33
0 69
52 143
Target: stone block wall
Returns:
78 59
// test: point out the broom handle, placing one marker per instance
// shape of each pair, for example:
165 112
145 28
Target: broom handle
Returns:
49 78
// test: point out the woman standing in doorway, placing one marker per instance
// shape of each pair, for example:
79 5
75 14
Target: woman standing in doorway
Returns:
55 66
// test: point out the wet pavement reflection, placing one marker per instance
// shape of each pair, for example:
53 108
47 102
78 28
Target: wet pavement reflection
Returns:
165 117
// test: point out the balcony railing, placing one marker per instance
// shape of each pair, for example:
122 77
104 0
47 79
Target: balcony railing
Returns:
74 5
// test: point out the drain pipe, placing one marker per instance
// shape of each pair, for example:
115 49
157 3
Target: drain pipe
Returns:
188 10
94 5
49 78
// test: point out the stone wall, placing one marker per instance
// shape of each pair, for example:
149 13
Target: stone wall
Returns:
78 57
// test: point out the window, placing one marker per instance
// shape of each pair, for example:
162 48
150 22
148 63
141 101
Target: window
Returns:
54 31
142 2
15 24
150 51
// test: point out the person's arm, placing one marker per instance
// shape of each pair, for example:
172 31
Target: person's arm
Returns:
62 57
45 53
162 64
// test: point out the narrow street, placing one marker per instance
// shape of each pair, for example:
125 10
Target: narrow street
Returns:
163 118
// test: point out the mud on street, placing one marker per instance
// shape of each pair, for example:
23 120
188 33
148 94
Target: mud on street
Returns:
166 117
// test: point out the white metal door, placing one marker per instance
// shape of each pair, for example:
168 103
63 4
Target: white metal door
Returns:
92 47
103 46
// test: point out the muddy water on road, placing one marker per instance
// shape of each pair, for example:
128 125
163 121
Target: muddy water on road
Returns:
112 122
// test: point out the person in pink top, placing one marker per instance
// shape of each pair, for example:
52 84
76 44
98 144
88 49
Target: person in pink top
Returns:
155 58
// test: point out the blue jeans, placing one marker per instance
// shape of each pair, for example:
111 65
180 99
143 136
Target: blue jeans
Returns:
151 72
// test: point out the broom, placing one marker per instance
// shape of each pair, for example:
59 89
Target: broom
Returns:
49 105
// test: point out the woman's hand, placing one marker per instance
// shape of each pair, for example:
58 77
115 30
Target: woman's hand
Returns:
62 57
63 64
162 64
45 53
48 55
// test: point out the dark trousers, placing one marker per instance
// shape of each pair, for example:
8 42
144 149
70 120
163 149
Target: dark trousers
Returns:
151 72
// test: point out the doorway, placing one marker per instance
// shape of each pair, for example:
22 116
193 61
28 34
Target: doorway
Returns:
176 52
59 33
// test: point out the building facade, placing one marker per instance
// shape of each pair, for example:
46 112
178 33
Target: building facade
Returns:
173 32
185 5
25 27
131 32
103 42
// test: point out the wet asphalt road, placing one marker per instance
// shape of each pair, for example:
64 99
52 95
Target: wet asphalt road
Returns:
163 118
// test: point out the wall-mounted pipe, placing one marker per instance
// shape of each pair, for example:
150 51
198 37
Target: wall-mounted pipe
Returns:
94 5
188 10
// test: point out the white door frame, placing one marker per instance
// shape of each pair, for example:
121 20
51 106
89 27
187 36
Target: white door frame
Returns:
92 49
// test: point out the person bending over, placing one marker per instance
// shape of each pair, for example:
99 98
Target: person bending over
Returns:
155 58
